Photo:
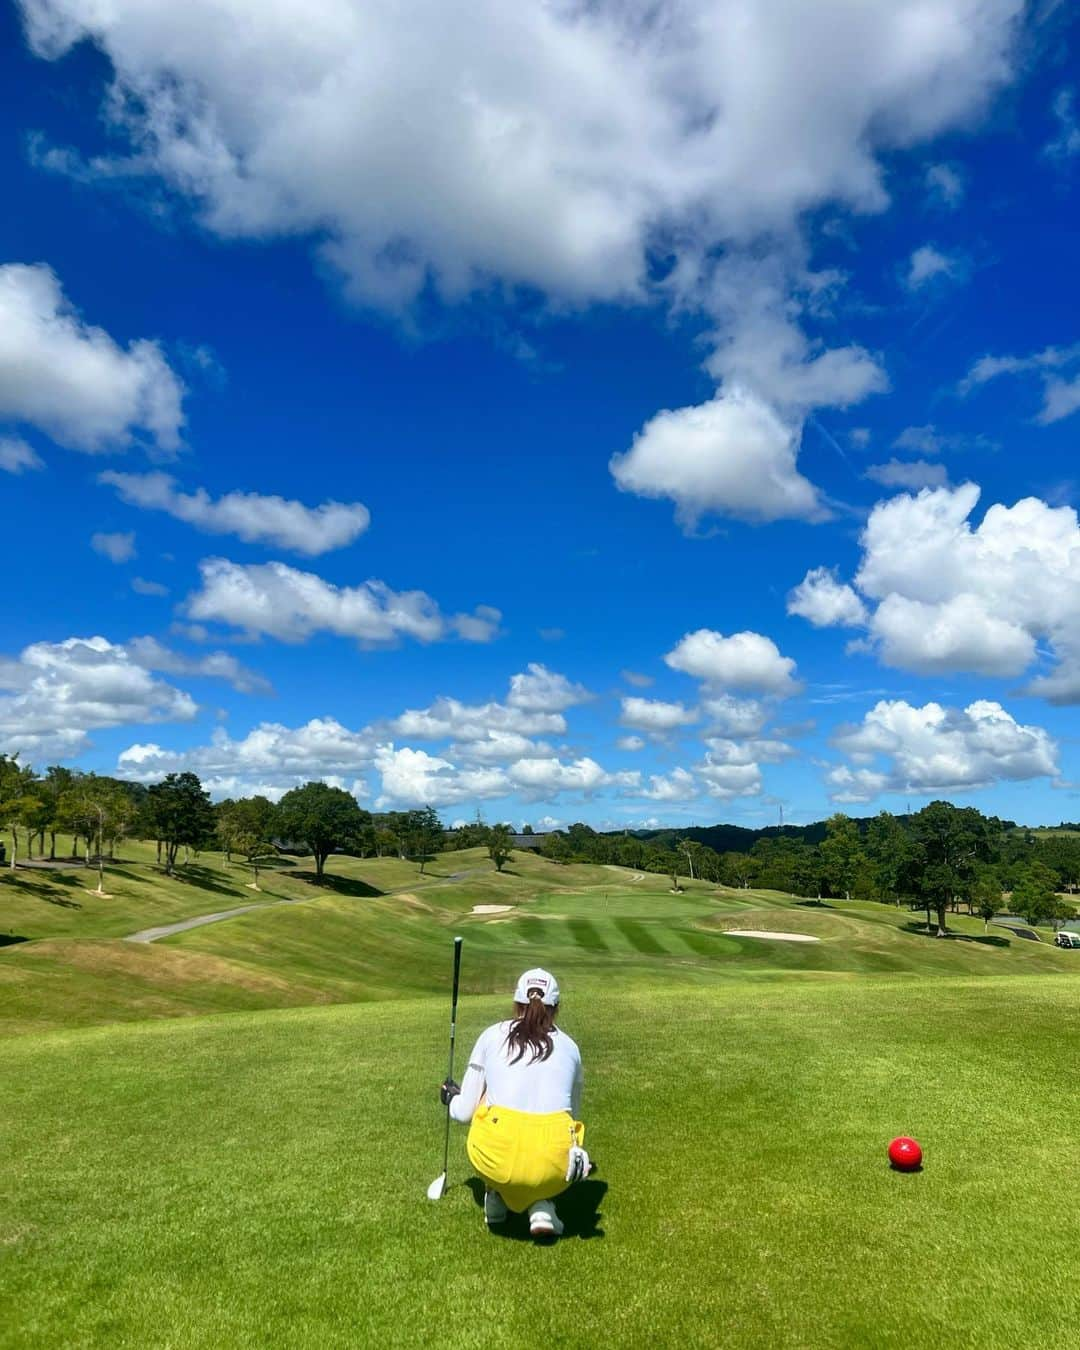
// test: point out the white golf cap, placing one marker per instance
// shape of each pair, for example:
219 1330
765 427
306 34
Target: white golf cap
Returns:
538 979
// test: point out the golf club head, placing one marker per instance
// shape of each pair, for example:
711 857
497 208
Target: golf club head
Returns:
437 1187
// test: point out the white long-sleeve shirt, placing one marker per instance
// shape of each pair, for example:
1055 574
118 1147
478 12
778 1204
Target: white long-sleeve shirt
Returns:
539 1088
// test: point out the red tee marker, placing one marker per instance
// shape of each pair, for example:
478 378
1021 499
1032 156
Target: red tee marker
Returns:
905 1154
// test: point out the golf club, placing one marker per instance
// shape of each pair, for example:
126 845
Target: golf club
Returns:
438 1186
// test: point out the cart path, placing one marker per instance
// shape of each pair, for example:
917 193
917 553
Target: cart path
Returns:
169 929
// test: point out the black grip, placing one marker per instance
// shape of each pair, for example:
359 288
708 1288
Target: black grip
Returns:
457 970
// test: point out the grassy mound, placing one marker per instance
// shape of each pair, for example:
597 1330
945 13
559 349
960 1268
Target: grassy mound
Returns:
258 1179
378 929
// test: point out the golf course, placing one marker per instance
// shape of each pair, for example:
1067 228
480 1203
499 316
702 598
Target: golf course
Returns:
223 1137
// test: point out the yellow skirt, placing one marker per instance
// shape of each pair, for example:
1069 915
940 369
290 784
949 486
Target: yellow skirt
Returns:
522 1156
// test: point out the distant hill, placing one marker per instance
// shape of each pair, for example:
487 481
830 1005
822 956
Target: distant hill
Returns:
740 839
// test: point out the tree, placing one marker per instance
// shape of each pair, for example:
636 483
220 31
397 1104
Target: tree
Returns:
842 853
386 841
180 813
17 801
556 847
423 835
254 848
498 845
949 839
986 894
322 818
103 811
890 848
226 827
1034 898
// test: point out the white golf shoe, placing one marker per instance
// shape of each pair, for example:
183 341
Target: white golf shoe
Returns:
543 1221
495 1210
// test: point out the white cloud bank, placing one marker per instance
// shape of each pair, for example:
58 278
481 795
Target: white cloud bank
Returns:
939 595
430 146
55 693
275 600
73 381
433 140
901 748
250 516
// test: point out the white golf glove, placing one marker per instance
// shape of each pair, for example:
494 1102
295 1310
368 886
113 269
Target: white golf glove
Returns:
579 1165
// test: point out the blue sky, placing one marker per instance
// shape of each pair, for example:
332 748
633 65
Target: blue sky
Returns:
687 375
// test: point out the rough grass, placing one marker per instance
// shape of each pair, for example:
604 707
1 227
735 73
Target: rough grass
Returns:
258 1179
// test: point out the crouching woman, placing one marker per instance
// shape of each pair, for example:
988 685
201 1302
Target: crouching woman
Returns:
521 1093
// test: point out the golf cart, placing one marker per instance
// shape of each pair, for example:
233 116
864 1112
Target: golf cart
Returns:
1066 938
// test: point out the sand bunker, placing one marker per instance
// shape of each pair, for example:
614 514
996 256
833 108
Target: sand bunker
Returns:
760 933
492 909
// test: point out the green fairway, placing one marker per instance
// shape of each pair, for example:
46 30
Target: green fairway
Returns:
256 1176
259 1179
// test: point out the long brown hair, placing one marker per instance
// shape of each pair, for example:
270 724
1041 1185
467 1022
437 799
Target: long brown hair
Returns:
531 1029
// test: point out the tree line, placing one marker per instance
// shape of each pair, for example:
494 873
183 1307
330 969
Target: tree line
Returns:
176 814
943 858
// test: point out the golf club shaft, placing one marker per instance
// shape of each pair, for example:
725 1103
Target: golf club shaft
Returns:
453 1028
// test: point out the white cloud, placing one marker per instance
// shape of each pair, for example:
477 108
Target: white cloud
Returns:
631 744
118 548
415 778
141 586
825 601
16 456
535 702
730 716
59 692
901 748
733 456
1061 398
745 661
434 142
538 689
270 759
153 655
677 786
248 515
278 601
859 437
913 473
430 148
945 185
638 680
73 381
944 596
757 303
1061 395
728 781
654 716
540 777
1067 142
926 263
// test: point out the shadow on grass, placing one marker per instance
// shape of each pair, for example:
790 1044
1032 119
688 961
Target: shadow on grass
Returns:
59 899
203 878
985 940
339 885
578 1208
813 904
10 939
